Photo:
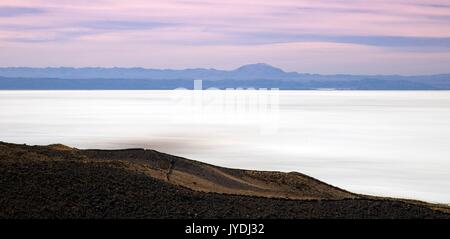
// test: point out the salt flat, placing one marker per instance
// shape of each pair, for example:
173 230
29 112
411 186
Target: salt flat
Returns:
388 143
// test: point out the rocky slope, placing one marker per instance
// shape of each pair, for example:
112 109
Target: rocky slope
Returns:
61 182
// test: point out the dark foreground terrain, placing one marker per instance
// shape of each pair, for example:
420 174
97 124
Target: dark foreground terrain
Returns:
60 182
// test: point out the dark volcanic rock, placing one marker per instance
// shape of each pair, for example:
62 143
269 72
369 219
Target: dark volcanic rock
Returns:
66 184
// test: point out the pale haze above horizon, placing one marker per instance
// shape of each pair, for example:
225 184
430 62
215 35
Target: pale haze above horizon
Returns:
408 37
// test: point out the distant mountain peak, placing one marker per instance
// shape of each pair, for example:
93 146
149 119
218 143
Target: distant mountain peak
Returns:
259 68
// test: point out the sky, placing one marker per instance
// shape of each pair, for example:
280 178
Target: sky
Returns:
408 37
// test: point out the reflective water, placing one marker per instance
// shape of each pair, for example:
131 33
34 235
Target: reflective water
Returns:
375 142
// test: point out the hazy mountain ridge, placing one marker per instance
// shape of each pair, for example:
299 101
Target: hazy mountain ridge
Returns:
252 71
253 75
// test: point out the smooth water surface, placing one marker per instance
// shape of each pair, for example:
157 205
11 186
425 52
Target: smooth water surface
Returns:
387 143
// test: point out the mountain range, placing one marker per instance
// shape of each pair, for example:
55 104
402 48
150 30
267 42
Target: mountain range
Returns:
258 75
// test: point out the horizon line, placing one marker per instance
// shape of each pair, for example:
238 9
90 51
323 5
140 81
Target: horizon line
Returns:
216 69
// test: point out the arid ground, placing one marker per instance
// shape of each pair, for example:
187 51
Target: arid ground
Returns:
57 181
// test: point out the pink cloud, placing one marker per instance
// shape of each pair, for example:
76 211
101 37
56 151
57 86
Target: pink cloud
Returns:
196 25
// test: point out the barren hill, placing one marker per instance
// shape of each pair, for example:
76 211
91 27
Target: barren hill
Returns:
57 181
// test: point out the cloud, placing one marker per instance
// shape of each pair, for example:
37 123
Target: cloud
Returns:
445 6
123 25
9 11
381 41
392 26
394 41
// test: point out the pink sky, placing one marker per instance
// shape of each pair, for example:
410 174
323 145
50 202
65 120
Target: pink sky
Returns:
321 36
